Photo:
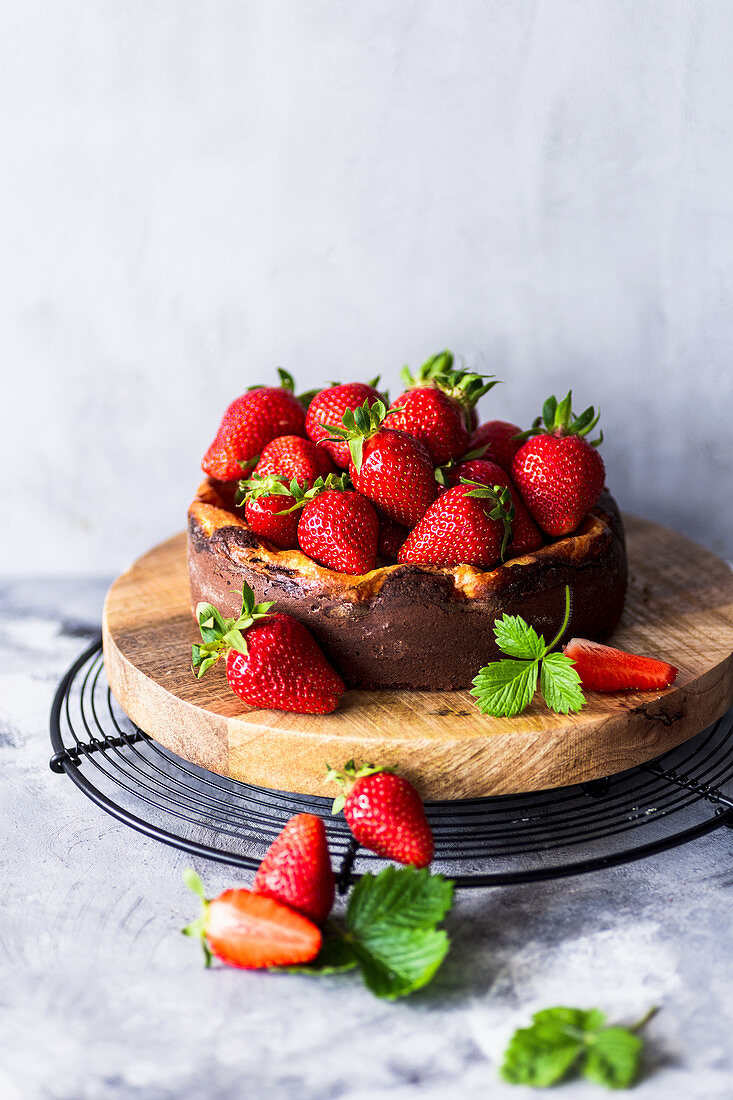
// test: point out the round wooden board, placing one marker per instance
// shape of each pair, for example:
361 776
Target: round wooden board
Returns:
679 607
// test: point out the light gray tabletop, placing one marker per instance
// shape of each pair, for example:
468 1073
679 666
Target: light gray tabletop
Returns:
101 997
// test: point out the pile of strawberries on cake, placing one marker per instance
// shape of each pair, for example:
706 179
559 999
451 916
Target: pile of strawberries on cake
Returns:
354 481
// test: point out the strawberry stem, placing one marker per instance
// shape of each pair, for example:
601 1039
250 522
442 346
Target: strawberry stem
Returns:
565 621
197 928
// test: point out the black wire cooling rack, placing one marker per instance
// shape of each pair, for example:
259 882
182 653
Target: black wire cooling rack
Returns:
479 842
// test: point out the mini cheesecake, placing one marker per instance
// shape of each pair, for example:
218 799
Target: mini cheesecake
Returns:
410 626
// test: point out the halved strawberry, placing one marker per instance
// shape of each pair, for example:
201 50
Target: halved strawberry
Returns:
297 869
250 931
603 668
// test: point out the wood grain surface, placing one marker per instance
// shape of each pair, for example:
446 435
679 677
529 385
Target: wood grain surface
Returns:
679 607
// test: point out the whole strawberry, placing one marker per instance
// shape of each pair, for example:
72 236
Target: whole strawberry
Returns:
294 458
273 504
272 660
428 414
297 870
467 525
250 931
463 387
327 409
526 535
495 440
249 424
559 474
269 509
340 529
385 813
391 537
390 467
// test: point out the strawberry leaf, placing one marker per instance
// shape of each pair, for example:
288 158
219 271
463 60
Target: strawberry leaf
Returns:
560 684
517 638
613 1059
391 921
562 1039
505 688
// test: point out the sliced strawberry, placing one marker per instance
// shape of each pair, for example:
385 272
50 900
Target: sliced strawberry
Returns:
297 869
250 931
603 668
340 530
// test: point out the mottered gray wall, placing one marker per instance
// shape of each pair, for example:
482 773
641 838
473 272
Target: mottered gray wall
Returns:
193 194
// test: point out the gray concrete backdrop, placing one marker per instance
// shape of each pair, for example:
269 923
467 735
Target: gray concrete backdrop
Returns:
192 194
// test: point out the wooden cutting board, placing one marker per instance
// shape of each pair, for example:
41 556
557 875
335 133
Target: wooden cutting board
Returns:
679 607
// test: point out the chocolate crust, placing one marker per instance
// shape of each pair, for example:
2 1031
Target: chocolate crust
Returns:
408 626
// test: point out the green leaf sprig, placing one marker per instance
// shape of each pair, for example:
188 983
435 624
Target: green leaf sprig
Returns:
219 634
561 1041
506 687
389 932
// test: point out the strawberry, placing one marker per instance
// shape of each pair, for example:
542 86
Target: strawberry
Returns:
391 537
463 387
390 467
253 932
603 668
327 409
467 525
340 530
250 422
292 457
526 535
269 510
385 813
428 414
272 660
559 474
495 441
273 506
297 870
